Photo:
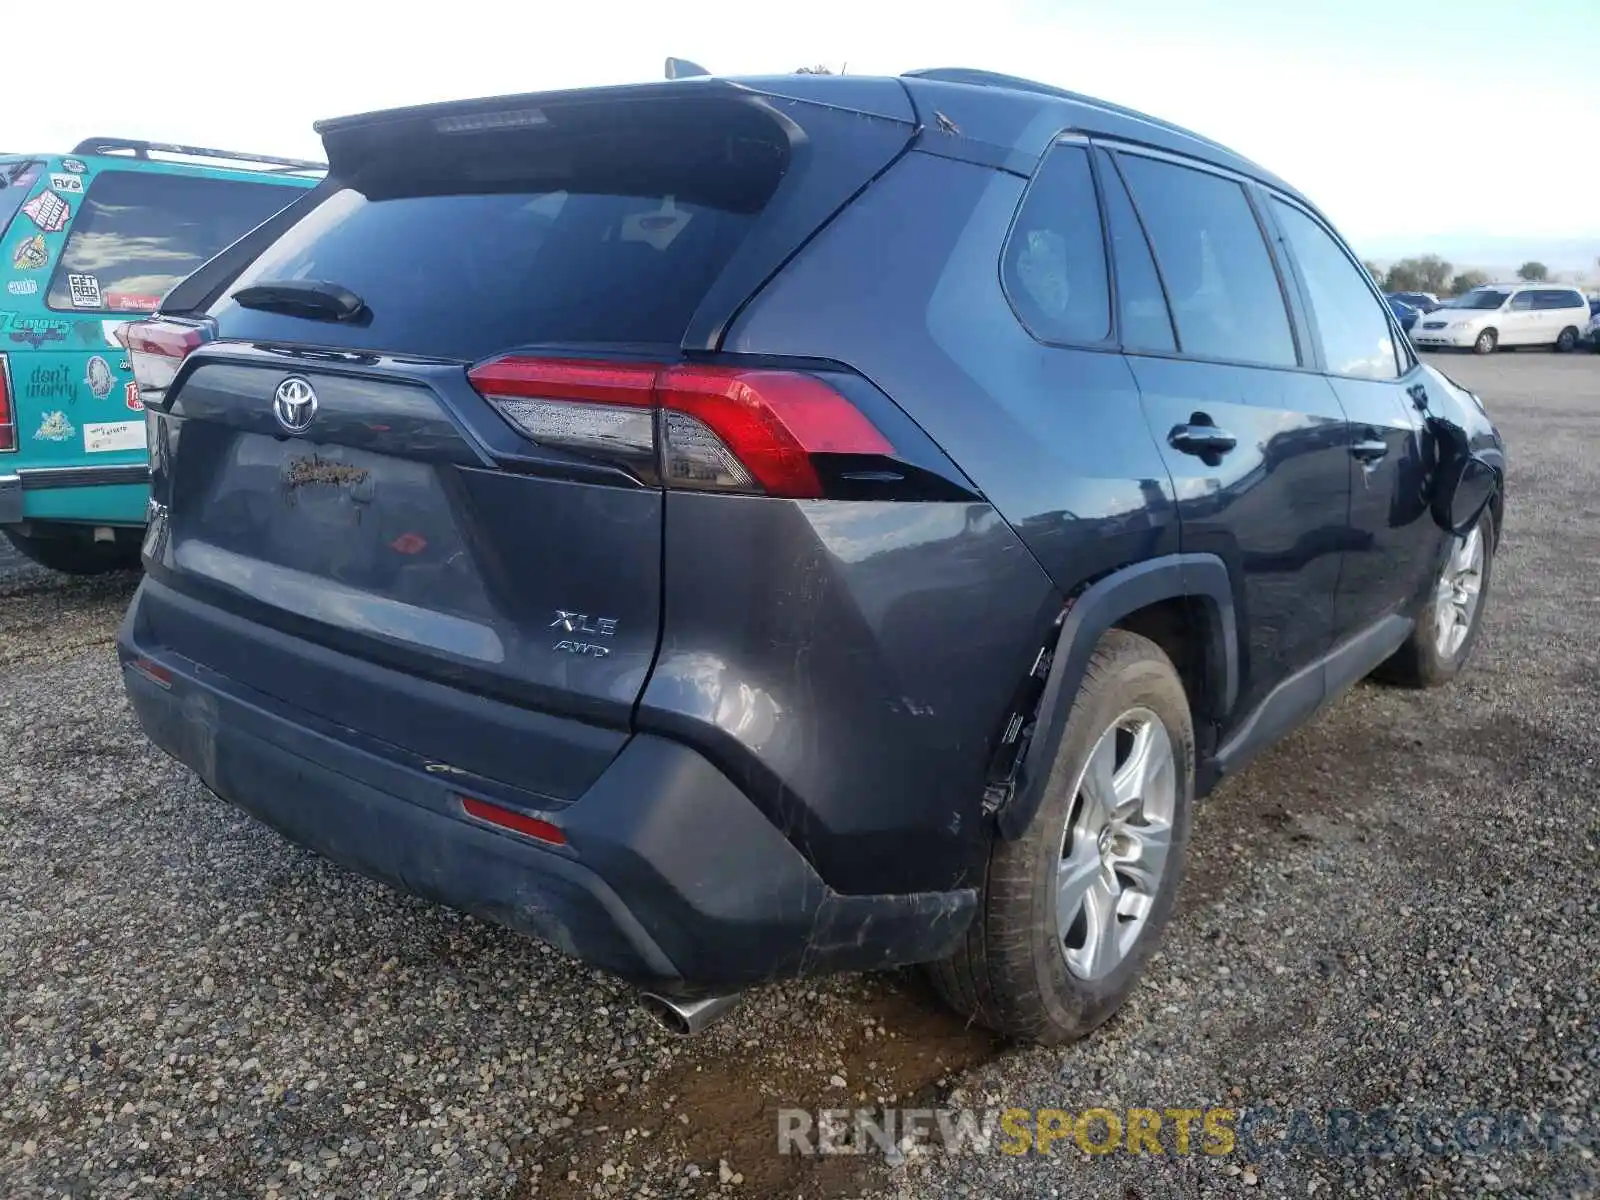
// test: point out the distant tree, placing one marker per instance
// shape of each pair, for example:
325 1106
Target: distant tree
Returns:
1375 271
1533 272
1466 281
1423 273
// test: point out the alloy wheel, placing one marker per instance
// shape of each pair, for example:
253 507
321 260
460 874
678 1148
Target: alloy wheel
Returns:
1456 599
1114 852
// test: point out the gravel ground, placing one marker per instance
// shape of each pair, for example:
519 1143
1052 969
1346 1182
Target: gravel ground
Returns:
1394 909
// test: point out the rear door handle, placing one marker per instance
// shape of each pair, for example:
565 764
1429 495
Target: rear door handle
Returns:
1201 438
1370 448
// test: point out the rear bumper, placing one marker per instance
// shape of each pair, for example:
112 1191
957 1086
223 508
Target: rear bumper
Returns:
670 877
15 489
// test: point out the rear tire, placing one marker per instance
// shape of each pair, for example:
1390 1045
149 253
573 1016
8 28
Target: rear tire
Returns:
1130 738
1568 341
1486 343
1442 640
75 553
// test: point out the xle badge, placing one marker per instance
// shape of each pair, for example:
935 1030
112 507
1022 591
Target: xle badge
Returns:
577 622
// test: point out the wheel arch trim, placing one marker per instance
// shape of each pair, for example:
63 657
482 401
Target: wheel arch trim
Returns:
1097 608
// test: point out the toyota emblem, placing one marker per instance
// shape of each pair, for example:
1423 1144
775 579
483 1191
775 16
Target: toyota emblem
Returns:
295 404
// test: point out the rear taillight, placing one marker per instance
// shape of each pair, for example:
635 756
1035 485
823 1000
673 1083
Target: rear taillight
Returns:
8 411
702 427
157 348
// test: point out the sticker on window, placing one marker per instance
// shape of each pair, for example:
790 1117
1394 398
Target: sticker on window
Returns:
48 211
85 291
132 301
30 253
105 436
66 183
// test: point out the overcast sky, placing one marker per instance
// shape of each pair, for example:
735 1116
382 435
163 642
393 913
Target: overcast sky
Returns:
1398 117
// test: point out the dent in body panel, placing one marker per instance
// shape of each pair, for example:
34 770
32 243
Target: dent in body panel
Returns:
845 663
908 293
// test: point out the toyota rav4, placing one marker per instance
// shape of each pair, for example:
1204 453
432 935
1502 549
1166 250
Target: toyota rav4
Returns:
741 528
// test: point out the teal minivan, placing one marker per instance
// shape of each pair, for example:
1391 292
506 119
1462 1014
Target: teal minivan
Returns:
89 240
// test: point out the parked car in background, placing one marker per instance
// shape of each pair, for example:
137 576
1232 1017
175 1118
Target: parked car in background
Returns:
1423 302
1506 314
715 525
91 240
1404 313
1591 335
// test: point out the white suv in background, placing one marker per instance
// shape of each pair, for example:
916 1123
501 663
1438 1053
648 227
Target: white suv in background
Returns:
1506 314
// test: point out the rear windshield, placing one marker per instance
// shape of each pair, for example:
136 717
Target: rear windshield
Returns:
140 232
606 230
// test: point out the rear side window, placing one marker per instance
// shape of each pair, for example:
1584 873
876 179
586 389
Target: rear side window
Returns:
139 232
1556 298
15 180
608 232
1054 263
1141 304
1220 280
1351 324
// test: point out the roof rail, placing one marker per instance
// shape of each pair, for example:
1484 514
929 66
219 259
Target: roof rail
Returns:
142 149
978 78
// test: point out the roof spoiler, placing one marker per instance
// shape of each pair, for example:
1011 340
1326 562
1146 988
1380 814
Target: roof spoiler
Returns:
139 148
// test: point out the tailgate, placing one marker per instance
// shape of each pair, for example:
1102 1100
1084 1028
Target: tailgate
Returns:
384 533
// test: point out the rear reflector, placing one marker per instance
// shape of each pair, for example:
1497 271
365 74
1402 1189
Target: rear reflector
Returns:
157 348
720 428
153 671
8 412
517 822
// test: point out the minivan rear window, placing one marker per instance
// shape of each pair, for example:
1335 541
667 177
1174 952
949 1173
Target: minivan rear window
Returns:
603 231
139 232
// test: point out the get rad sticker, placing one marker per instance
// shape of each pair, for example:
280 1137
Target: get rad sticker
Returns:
85 291
48 211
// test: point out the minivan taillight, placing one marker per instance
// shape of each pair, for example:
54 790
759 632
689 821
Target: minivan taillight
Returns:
711 428
8 411
157 348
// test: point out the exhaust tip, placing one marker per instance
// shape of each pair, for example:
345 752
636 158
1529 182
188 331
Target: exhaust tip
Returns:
686 1017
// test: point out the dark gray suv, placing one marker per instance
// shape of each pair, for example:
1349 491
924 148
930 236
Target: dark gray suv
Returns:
740 528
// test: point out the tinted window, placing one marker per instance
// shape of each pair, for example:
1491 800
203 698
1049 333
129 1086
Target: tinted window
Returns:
609 232
1054 263
1477 298
138 233
15 180
1351 325
1555 298
1220 280
1142 307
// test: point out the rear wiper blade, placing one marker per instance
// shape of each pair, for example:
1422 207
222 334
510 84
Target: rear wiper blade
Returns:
314 298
